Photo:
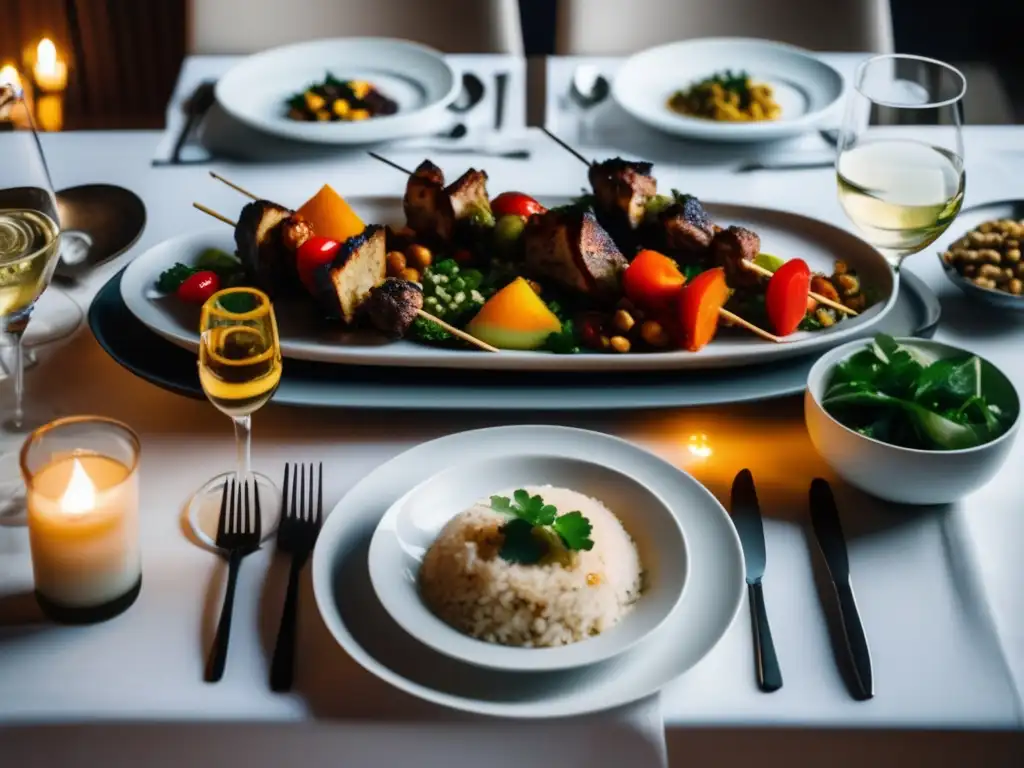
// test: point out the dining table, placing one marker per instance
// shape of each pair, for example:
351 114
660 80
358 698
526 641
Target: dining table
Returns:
939 587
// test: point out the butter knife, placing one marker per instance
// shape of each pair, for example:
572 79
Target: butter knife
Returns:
829 533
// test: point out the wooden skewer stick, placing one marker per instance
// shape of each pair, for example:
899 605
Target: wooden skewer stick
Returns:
816 296
568 148
234 186
737 320
394 165
422 313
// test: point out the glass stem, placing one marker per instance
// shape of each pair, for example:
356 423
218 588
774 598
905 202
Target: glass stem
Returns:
243 439
18 414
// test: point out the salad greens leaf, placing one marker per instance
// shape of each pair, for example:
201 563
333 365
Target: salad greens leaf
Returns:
904 397
173 277
540 523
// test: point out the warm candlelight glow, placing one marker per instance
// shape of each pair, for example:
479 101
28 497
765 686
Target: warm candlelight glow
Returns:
51 73
699 446
9 76
80 495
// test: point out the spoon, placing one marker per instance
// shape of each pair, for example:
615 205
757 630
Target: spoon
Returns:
587 90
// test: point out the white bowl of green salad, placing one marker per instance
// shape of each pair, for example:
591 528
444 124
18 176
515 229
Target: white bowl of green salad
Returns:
910 420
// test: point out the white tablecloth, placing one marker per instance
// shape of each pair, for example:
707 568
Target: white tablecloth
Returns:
934 585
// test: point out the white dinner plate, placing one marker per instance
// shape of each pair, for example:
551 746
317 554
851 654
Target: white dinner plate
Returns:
366 632
787 235
807 89
411 525
418 78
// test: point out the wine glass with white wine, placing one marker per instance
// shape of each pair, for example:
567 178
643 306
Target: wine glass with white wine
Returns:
902 187
239 370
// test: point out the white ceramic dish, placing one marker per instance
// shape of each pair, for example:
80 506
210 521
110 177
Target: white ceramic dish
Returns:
418 78
807 89
412 523
907 475
368 634
784 234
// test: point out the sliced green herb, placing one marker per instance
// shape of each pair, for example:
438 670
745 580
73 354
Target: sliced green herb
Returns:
536 530
172 278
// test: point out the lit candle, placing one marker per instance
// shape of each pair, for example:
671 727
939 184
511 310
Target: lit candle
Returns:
50 112
83 517
50 72
13 112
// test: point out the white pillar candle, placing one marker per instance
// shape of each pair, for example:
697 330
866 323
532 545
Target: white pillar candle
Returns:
83 520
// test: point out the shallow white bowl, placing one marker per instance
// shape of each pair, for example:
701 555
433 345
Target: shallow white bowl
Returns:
907 475
412 523
807 89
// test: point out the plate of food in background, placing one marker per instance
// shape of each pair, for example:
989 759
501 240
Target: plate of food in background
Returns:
728 89
341 91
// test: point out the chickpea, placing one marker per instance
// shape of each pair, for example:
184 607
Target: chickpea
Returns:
396 263
990 271
975 238
984 282
652 333
986 227
970 256
410 274
1007 275
1015 287
948 257
848 284
418 256
995 239
623 321
990 256
1012 256
1012 242
605 343
620 344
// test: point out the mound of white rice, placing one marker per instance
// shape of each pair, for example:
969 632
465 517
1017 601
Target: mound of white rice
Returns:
467 584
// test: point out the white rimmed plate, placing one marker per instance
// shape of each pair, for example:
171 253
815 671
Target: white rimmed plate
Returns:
361 626
807 89
787 235
418 78
410 526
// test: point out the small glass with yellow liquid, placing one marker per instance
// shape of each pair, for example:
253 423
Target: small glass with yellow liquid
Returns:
239 370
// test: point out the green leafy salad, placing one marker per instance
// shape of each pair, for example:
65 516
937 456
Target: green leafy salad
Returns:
537 532
900 395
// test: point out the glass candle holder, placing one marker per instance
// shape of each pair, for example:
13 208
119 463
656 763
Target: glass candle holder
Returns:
82 494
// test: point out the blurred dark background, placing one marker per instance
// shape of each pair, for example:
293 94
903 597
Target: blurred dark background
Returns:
123 55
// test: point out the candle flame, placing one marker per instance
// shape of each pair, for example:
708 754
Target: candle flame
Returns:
80 495
699 445
9 76
46 54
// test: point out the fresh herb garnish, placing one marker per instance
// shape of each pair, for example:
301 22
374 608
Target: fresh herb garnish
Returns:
567 340
899 395
171 279
536 527
428 332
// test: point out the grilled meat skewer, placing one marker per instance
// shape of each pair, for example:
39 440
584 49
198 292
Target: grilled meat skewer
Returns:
732 246
434 212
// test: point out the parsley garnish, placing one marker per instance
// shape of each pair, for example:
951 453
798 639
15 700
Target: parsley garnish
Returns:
536 527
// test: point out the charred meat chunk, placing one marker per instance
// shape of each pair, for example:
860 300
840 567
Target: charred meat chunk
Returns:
687 226
572 249
268 263
428 209
295 231
393 305
468 195
359 266
622 190
732 246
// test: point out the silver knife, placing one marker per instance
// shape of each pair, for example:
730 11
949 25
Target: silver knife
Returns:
746 515
829 533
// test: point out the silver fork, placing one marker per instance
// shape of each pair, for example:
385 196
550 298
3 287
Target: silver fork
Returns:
296 534
238 535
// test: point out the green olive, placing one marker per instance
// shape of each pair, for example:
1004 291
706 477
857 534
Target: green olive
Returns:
508 231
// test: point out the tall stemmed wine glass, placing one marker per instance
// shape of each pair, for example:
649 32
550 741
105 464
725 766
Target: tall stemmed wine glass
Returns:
902 187
239 370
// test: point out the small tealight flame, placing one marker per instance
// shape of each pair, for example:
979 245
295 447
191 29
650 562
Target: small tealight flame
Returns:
9 76
46 54
80 495
698 445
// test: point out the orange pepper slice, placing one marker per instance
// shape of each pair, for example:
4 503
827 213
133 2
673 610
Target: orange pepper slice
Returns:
700 301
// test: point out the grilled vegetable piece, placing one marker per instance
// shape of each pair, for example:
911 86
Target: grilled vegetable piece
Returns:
730 247
686 226
359 266
268 263
428 209
622 190
572 249
393 305
468 195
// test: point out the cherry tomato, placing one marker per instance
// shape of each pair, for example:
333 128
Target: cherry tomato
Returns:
515 204
199 287
785 299
313 253
652 281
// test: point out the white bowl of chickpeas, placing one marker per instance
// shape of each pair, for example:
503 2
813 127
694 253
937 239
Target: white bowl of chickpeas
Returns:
985 259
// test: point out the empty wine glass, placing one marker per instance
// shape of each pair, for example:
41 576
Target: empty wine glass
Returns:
900 189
